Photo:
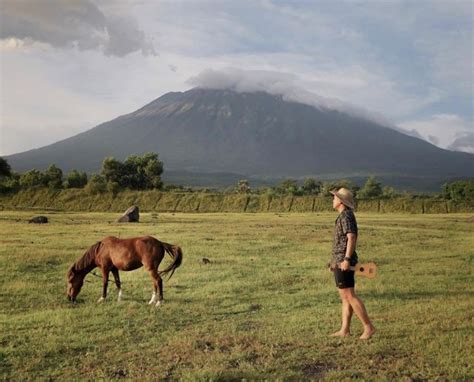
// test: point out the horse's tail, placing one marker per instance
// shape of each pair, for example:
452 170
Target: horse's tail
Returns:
175 252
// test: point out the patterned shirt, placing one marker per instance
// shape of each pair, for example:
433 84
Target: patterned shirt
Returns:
345 223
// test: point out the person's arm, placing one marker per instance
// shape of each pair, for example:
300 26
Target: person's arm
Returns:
351 244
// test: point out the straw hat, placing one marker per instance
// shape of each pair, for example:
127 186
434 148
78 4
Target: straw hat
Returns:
346 197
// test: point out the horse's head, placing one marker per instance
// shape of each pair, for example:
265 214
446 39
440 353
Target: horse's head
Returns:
74 283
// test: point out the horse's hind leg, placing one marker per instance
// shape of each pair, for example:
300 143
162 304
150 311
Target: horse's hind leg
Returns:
157 287
160 291
115 272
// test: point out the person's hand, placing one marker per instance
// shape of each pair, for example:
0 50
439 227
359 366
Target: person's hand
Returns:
345 266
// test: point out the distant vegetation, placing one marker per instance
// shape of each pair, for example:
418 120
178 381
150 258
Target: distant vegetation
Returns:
142 173
135 173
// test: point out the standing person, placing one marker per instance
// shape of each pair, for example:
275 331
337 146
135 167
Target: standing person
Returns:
345 256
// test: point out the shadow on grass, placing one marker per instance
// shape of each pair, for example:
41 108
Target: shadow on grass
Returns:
418 295
252 309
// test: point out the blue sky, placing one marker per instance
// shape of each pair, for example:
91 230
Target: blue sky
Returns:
68 66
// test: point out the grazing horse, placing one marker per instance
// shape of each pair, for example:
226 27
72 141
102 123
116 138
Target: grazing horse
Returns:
112 254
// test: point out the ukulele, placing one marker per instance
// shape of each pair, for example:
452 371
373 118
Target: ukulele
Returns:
368 270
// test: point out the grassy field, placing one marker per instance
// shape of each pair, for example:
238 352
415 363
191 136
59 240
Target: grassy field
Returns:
262 309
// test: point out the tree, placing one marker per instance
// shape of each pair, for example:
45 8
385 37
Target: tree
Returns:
153 169
53 177
96 185
31 179
462 190
243 186
75 179
371 189
112 170
388 192
10 183
336 184
137 173
5 169
311 186
288 186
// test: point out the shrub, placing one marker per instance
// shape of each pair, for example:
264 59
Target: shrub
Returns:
96 185
75 179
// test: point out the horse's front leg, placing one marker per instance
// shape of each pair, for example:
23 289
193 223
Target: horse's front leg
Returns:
105 283
115 272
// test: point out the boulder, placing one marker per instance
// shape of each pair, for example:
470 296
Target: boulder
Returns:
38 220
132 215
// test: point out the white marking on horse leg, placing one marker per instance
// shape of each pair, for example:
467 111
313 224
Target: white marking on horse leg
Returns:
160 302
153 298
119 295
101 300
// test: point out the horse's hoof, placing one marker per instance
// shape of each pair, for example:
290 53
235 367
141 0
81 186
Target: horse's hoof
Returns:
101 300
160 302
153 299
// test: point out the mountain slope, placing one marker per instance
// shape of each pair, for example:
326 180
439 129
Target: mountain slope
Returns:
250 133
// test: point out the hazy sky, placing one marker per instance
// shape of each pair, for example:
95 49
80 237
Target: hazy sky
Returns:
67 66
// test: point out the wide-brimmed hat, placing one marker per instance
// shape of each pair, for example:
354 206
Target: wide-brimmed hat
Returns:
346 196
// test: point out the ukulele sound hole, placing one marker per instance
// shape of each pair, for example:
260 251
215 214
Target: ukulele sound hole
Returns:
362 269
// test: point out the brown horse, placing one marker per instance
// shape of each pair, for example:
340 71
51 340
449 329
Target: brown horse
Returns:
112 254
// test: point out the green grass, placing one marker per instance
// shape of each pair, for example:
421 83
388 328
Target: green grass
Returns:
262 309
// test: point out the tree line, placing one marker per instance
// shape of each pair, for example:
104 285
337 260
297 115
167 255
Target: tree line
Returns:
312 186
135 173
144 173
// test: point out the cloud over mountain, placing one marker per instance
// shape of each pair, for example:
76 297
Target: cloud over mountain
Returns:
463 142
287 85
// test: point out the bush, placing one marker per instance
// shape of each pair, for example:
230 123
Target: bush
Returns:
5 169
462 190
311 186
32 179
334 185
371 189
136 172
75 179
53 177
113 187
10 183
96 185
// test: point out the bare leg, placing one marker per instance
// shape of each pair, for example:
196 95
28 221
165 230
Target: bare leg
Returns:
360 311
346 316
115 272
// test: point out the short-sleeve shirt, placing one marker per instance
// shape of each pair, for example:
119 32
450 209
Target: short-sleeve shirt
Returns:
345 223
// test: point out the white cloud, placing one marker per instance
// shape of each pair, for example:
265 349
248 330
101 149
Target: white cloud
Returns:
448 131
71 24
463 142
277 83
350 89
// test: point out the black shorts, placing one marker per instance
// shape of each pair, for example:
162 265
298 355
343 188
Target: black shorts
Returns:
344 279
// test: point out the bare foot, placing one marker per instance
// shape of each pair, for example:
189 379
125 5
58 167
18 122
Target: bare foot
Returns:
341 333
368 332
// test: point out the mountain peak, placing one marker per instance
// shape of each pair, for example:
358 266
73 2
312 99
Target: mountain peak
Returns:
250 133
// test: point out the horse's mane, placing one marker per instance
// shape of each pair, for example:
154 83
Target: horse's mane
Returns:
89 257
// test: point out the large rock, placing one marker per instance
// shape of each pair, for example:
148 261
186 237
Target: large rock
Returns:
132 215
38 220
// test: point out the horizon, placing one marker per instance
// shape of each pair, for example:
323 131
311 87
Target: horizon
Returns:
407 64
